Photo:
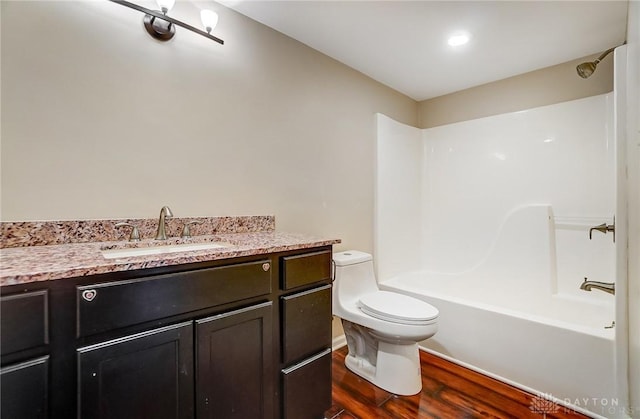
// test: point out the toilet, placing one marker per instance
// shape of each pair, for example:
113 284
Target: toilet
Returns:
382 328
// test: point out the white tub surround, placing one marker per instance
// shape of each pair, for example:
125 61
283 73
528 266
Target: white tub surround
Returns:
489 221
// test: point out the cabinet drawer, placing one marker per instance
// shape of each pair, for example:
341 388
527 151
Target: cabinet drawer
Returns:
306 327
306 269
24 321
307 388
118 304
24 389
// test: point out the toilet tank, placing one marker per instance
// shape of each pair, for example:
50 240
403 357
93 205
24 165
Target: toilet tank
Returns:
354 276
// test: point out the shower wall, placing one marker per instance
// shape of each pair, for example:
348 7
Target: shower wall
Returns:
443 193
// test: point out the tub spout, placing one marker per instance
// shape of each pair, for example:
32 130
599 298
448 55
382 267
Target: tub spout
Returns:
609 287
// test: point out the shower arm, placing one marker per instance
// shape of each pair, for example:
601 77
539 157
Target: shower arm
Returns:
604 54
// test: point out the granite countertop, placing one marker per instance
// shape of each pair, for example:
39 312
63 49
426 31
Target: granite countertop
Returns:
21 265
25 262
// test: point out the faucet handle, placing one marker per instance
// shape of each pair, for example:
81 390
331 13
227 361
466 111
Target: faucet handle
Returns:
135 234
604 228
186 230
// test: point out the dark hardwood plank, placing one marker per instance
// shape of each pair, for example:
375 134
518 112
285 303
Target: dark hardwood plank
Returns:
449 391
513 393
479 408
424 406
467 392
358 388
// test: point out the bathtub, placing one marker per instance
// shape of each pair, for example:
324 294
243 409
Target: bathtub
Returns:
507 317
563 351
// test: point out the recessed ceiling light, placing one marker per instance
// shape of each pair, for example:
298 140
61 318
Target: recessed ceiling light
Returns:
458 39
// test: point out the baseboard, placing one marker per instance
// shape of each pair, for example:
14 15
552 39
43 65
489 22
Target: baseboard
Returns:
338 342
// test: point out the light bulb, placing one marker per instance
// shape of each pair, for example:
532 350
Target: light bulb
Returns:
458 39
165 5
209 19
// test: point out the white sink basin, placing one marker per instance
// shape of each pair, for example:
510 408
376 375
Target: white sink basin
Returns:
158 250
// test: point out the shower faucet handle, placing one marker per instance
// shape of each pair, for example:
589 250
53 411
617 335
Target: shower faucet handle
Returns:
604 228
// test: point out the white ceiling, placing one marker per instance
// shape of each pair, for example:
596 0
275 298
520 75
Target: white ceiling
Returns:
403 44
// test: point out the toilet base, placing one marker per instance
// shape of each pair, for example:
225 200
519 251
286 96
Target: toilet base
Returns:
397 368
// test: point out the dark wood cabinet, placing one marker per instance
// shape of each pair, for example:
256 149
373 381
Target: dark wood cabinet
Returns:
24 389
304 269
24 321
306 335
307 387
306 320
146 375
247 337
235 348
116 304
24 340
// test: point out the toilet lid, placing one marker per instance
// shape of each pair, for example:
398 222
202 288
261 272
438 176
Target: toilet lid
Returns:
397 308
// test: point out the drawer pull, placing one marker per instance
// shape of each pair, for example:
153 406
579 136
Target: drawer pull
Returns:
89 295
266 266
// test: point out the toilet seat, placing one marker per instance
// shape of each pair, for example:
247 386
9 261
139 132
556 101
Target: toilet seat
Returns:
397 308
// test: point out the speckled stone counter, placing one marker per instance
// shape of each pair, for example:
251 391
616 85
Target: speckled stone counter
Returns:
42 233
32 263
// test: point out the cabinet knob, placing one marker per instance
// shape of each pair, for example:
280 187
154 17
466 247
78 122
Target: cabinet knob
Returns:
266 266
89 295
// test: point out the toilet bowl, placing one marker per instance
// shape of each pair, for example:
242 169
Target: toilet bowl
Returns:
382 328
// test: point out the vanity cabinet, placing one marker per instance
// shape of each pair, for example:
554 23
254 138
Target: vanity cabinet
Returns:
24 376
242 338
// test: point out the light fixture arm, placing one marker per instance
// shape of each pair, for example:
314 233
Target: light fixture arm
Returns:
160 15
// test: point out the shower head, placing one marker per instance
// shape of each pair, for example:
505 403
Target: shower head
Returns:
586 69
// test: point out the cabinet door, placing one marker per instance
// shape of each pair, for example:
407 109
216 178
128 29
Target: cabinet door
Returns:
24 389
24 321
234 364
146 375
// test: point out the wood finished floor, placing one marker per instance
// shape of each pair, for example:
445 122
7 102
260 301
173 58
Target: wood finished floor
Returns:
449 391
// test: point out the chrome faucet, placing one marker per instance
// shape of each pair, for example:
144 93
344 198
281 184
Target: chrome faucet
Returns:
165 214
609 287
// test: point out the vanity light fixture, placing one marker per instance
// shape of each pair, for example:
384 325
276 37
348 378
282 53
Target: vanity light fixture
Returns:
163 27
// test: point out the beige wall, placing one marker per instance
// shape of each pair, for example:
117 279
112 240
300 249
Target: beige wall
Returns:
101 121
549 85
